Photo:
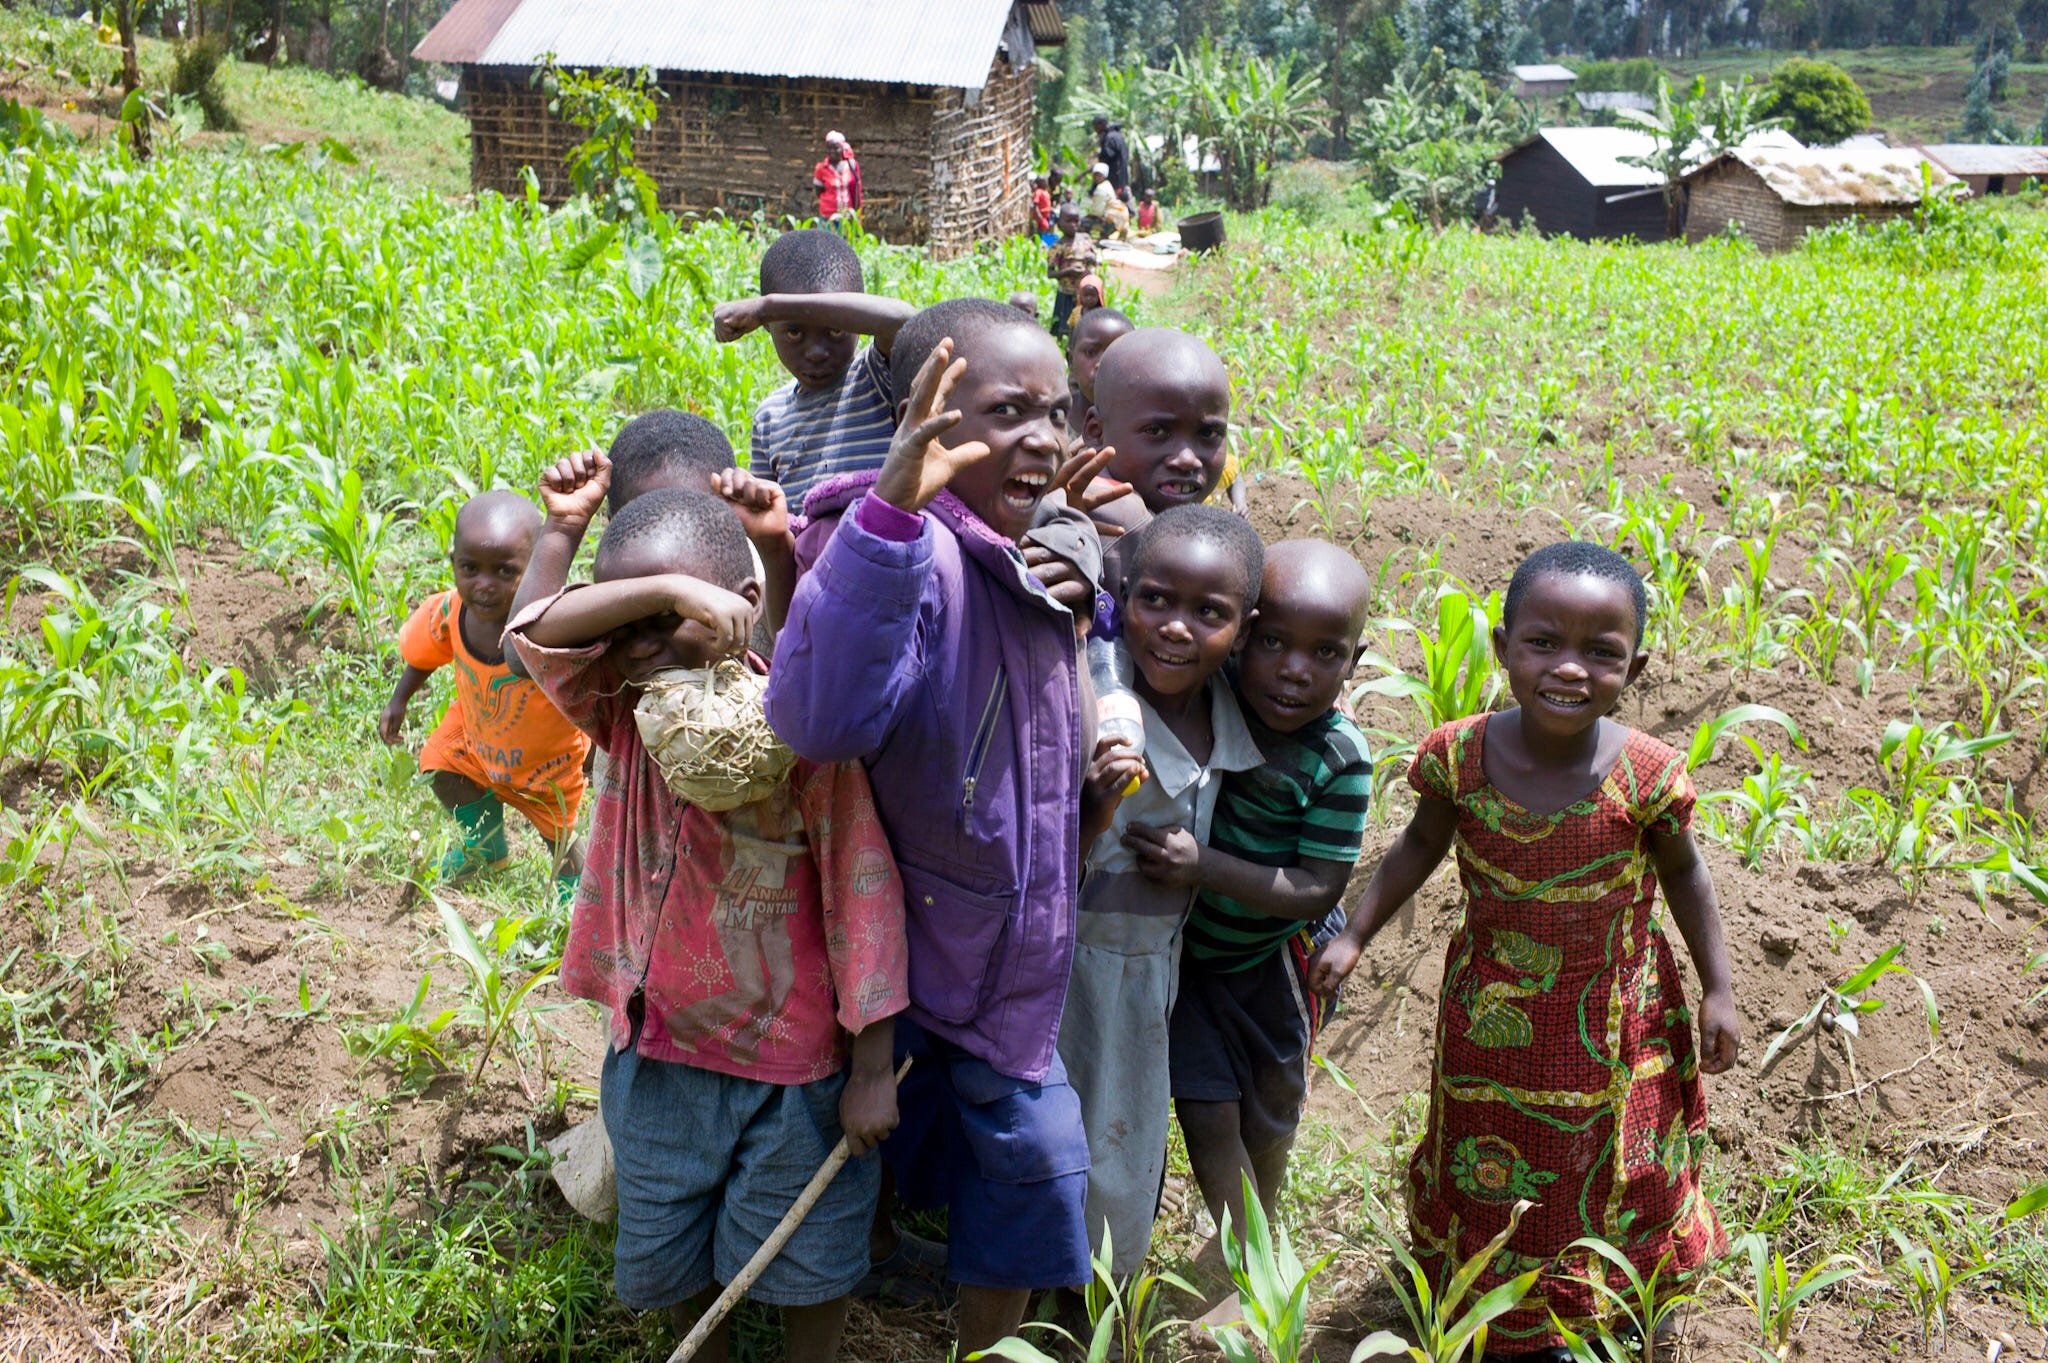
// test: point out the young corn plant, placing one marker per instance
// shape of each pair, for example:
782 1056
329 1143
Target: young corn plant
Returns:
1443 1334
1927 1281
1272 1288
1123 1318
1774 1295
492 999
1840 1008
1630 1333
1768 802
1458 675
1706 740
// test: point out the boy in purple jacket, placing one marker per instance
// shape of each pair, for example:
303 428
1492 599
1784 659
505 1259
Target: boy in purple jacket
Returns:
921 643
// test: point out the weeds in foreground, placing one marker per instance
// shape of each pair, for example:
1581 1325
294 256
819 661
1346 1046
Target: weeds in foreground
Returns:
1774 1295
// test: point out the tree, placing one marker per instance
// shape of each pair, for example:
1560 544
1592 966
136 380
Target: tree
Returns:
1692 130
1981 122
1428 138
1248 111
1818 101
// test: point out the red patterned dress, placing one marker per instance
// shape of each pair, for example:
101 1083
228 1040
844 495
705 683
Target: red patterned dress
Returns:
1565 1064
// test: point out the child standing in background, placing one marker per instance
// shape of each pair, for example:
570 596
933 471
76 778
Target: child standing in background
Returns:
1565 1070
920 644
1071 258
1285 838
1191 583
839 413
1091 337
736 951
501 742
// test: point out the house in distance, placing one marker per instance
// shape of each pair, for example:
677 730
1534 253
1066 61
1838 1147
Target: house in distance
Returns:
1582 182
1544 80
935 97
1991 169
1775 195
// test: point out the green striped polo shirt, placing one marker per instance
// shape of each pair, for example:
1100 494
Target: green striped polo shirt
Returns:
1308 801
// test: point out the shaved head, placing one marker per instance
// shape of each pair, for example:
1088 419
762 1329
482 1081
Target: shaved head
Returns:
497 517
1304 572
1157 356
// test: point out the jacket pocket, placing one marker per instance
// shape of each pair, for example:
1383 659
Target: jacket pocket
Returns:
984 739
953 935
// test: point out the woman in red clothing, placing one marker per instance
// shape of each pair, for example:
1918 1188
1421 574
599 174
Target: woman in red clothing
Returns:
837 179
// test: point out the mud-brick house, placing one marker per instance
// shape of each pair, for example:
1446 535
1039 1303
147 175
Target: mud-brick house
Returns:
1989 169
1776 195
935 97
1587 183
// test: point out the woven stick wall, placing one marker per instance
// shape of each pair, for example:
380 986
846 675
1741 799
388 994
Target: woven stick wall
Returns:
933 170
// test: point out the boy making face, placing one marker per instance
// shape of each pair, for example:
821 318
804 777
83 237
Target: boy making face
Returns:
1277 857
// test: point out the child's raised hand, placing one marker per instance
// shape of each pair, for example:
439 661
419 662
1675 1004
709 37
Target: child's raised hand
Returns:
730 321
1086 490
729 617
1332 965
1720 1032
764 511
572 490
919 467
1167 855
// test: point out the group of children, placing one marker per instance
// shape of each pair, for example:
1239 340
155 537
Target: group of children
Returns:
1068 940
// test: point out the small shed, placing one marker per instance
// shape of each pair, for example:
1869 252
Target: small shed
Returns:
1542 80
1599 101
1776 194
1573 182
1989 169
935 96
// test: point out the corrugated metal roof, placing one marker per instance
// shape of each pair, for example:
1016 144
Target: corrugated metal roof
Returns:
1042 17
916 42
1542 72
1595 153
1972 158
465 30
1594 100
1820 176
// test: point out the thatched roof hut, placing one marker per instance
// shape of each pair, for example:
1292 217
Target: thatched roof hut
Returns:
1777 194
936 97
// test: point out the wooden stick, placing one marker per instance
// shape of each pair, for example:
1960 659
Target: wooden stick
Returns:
772 1246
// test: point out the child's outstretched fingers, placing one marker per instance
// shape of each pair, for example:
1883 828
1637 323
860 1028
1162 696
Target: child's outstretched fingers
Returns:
1720 1033
572 489
1081 479
918 468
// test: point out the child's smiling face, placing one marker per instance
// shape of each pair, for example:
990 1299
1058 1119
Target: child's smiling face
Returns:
1013 398
487 554
1163 400
1183 613
1570 651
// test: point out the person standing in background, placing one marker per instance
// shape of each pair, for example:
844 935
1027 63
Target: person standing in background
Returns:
1114 152
837 180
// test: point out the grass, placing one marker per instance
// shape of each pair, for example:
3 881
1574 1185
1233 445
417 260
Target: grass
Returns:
229 361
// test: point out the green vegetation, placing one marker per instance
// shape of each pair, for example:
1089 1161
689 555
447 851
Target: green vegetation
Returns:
230 360
1820 104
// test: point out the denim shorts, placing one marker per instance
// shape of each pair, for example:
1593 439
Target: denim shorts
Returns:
707 1165
1007 1159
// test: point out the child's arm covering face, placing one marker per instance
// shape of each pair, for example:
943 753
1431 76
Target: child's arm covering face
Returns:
1696 909
865 314
1304 891
590 613
571 492
1402 872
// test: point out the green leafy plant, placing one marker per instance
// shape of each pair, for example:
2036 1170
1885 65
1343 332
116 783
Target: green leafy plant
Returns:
1706 740
1442 1334
1639 1313
1840 1008
1272 1288
1458 673
492 1000
1123 1317
1774 1295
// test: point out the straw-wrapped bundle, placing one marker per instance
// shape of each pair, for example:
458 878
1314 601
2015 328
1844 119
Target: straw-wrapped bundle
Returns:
706 730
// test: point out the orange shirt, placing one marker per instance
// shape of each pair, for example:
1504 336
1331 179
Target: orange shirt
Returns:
510 730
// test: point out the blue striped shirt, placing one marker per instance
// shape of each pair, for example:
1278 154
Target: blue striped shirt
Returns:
802 437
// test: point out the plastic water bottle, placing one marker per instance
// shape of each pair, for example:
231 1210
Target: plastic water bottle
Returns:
1117 713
